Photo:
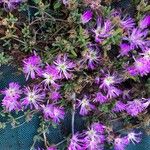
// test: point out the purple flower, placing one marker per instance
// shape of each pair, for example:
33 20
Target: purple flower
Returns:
134 107
100 98
136 38
134 137
50 75
65 2
127 23
119 106
102 31
34 97
64 66
98 127
11 4
52 148
113 92
145 22
11 104
77 142
54 95
140 67
86 16
109 80
124 49
91 56
121 143
32 66
85 106
53 112
13 91
94 138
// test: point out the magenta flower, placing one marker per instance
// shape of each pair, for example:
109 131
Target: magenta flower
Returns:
100 128
136 38
64 66
11 104
127 23
134 137
124 49
54 95
121 143
94 138
85 106
100 98
113 92
52 148
53 112
110 80
77 142
119 106
140 67
86 16
32 66
13 91
102 31
34 97
145 22
91 57
134 107
11 4
50 75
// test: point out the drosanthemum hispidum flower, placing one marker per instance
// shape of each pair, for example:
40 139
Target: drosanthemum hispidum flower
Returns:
127 23
136 38
124 49
50 75
134 137
85 105
13 91
120 143
119 106
32 67
77 142
94 137
64 66
100 98
55 113
33 97
145 22
11 4
91 56
86 16
140 67
103 30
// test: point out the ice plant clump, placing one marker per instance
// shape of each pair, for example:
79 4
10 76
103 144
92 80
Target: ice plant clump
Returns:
32 67
86 16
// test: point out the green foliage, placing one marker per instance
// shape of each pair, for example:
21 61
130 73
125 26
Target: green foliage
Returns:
4 59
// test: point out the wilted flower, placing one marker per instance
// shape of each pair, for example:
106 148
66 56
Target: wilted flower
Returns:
103 30
64 66
134 137
121 143
145 22
86 16
53 112
32 66
85 106
77 142
34 97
